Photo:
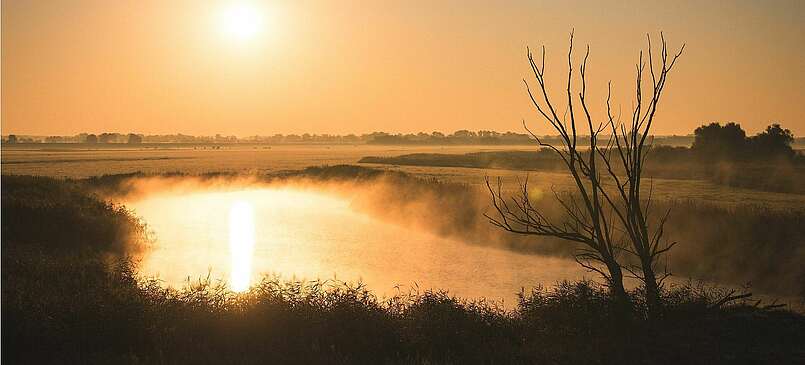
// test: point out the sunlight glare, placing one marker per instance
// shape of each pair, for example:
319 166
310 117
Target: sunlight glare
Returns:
241 245
241 22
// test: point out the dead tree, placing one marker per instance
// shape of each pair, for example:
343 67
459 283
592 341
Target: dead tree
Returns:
605 213
628 149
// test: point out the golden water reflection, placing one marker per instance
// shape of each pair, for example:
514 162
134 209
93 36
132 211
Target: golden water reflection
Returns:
304 234
241 245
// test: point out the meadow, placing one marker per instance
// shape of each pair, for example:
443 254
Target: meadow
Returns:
669 163
76 230
727 235
79 161
70 287
82 160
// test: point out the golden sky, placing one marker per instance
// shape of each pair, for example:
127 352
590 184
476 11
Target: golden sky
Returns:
170 66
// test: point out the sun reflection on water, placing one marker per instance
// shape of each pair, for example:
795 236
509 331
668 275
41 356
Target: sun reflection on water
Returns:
237 236
241 245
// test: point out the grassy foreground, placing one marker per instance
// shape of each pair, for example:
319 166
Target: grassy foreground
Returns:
70 294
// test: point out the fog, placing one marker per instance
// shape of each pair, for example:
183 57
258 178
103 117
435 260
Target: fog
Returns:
388 221
309 230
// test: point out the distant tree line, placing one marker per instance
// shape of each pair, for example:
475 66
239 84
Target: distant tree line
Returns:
79 138
458 137
131 138
714 140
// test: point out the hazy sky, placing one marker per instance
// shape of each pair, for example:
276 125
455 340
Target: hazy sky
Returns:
341 67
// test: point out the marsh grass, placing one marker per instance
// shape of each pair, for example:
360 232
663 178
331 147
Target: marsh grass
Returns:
777 175
71 294
92 312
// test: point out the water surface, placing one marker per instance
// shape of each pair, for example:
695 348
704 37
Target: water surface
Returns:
306 234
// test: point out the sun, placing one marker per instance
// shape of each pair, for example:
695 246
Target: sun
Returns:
241 22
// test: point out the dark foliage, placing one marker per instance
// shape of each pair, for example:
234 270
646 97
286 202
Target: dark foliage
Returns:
54 215
774 142
716 143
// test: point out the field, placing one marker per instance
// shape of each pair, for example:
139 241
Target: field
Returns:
76 160
704 213
401 268
65 160
70 288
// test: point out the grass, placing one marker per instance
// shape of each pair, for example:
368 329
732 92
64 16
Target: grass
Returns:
71 294
664 162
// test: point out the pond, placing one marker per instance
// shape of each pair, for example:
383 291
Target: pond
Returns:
237 235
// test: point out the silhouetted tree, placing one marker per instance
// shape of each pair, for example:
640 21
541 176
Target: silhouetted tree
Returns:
12 138
107 138
91 138
464 134
135 139
713 142
607 222
773 142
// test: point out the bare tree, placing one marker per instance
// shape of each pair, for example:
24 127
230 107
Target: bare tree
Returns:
606 214
630 151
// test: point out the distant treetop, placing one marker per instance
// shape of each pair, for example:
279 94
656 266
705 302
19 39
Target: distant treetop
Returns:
713 142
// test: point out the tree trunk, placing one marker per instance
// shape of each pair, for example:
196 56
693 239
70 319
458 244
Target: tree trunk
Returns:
652 290
616 285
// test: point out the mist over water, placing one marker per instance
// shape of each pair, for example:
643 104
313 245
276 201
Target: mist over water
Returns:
387 229
304 232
